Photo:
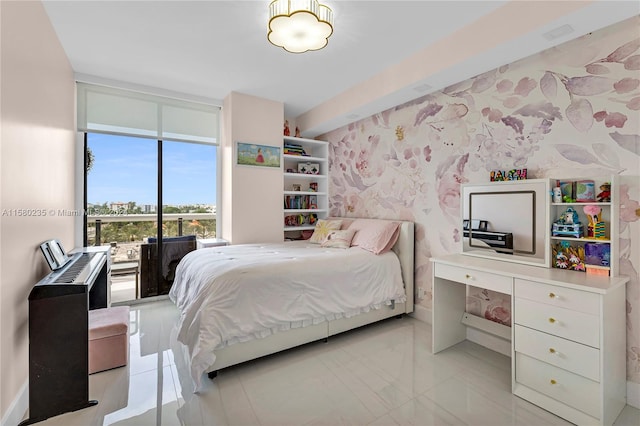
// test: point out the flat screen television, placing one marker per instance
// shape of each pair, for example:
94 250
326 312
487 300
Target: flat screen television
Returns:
507 221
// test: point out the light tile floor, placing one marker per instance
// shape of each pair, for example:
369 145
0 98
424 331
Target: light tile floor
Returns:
382 374
123 288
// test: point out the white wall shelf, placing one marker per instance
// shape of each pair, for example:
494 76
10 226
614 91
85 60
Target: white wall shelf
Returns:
297 190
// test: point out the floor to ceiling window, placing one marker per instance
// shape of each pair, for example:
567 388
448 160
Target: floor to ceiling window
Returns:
123 192
148 160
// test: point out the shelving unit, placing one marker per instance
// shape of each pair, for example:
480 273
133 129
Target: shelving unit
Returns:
609 215
299 200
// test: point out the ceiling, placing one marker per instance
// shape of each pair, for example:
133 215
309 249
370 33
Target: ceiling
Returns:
203 50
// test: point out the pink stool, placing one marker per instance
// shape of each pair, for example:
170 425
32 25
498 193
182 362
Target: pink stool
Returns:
108 338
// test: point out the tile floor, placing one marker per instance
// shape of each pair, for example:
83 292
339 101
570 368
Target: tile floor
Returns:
382 374
123 288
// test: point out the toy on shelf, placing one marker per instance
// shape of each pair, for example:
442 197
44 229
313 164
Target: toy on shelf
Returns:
568 225
596 227
567 257
584 191
605 193
597 258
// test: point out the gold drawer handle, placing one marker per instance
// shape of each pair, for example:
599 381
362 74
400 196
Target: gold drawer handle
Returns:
552 295
469 277
552 320
553 382
554 352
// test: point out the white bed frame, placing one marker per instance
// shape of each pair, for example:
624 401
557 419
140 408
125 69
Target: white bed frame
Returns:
241 352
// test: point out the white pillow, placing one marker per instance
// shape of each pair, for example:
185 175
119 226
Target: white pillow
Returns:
323 227
339 239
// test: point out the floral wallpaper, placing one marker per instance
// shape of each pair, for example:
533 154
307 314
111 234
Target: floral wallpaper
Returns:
568 112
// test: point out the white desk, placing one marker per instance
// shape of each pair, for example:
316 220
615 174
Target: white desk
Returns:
571 317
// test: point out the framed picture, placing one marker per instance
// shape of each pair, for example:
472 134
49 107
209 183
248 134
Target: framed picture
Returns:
251 154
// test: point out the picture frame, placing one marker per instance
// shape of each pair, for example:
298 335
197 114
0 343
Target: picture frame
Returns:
251 154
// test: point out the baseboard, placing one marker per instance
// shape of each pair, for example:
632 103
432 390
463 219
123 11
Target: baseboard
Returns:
633 394
421 314
18 407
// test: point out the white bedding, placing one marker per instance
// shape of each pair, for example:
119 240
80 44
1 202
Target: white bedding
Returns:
238 293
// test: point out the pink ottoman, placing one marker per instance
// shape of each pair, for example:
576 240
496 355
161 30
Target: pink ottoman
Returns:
108 338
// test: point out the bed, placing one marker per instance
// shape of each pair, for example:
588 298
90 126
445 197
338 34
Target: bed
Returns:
237 303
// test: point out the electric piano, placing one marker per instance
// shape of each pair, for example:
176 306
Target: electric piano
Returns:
59 307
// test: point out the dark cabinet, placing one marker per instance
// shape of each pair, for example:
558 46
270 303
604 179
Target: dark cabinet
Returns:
157 272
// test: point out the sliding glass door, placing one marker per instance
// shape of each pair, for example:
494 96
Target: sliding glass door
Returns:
132 184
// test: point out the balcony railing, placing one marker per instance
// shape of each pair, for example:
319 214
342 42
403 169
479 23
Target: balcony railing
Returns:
179 218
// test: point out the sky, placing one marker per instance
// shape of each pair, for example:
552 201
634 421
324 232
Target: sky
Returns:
125 169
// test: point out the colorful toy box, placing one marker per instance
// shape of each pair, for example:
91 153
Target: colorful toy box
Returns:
597 254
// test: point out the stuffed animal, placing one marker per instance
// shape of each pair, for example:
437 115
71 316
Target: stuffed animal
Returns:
605 195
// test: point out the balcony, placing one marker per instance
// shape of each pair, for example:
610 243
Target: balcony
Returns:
126 232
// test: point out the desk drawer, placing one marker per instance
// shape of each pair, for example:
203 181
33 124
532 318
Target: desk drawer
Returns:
499 283
568 388
575 357
572 325
568 298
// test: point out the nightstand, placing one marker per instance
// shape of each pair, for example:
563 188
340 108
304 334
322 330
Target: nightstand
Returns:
211 242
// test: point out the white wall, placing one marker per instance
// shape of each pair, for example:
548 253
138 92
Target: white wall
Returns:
36 172
253 194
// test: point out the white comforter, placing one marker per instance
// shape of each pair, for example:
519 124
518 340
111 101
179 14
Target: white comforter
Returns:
238 293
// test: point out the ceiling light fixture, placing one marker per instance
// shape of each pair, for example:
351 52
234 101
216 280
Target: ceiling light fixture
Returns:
299 25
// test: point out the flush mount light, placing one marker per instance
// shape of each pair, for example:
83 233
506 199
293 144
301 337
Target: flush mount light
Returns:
299 25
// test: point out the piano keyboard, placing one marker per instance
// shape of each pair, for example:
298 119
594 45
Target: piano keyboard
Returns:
74 269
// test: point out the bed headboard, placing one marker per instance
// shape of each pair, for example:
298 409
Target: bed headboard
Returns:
404 249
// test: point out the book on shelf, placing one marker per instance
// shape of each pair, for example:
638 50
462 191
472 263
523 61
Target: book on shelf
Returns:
300 202
294 149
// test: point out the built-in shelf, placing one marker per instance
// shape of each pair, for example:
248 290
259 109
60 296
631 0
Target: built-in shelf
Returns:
317 153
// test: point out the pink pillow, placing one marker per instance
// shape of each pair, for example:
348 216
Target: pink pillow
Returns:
375 235
346 222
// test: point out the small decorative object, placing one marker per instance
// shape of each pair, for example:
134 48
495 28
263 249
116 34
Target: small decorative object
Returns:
570 217
597 254
593 213
598 270
297 132
568 257
567 189
309 168
557 195
313 218
600 231
295 187
605 193
585 191
291 171
513 174
313 186
568 225
287 132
